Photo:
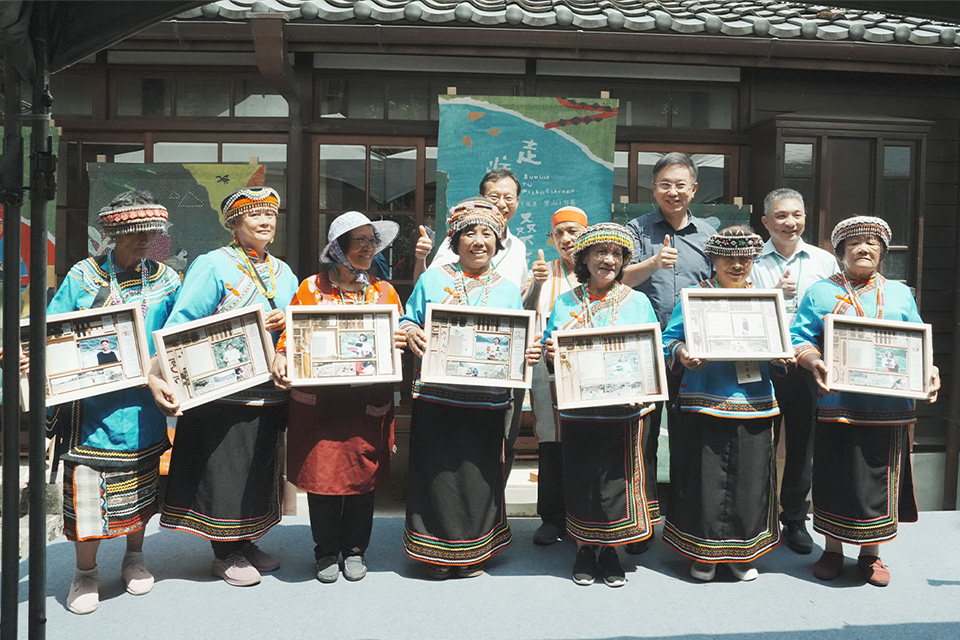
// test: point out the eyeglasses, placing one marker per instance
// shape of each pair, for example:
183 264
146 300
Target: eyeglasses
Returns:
496 197
364 243
681 187
603 254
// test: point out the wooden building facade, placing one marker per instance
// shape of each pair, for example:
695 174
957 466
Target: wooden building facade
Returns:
858 110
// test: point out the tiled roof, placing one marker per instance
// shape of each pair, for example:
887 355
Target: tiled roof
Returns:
742 18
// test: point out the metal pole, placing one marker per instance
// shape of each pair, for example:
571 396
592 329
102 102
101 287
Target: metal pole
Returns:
12 177
42 191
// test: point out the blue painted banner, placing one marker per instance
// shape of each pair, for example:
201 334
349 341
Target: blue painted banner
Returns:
561 149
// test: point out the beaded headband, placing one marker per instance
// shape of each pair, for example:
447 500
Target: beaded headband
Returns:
134 218
475 211
734 243
249 199
861 226
605 233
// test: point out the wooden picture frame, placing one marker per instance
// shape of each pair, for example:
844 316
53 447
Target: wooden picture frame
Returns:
878 357
609 366
735 324
210 358
342 344
466 346
90 352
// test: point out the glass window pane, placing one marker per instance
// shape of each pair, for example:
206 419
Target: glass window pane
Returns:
399 255
430 186
72 94
393 178
407 99
185 152
896 162
143 97
648 109
621 175
203 97
364 98
797 159
895 264
257 99
343 177
896 209
333 98
272 156
701 110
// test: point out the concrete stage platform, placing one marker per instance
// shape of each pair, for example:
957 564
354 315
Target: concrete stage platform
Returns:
527 593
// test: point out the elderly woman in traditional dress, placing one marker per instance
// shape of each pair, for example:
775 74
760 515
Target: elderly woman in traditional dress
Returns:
224 481
111 466
455 505
339 443
603 475
549 281
862 480
722 476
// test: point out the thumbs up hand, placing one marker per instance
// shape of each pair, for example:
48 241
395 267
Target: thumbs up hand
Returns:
788 285
424 245
541 270
667 257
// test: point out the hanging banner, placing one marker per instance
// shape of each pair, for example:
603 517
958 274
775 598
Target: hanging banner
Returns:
561 150
191 193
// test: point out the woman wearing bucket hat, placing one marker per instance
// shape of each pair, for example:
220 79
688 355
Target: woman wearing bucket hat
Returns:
111 466
603 474
339 444
862 477
223 483
723 499
455 505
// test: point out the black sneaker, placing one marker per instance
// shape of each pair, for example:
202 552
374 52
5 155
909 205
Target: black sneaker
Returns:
585 568
547 534
610 567
795 533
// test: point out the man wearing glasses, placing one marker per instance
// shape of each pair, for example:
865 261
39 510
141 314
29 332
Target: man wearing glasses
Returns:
668 256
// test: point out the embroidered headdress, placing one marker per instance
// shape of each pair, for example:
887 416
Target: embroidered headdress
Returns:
734 242
475 211
861 226
248 199
133 218
605 233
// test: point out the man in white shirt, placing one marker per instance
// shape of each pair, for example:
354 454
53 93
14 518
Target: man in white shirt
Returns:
501 187
790 264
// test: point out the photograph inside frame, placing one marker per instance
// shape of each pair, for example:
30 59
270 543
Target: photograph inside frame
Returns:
477 345
733 326
219 355
607 367
88 352
335 345
882 359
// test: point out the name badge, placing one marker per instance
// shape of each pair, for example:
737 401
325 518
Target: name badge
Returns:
748 371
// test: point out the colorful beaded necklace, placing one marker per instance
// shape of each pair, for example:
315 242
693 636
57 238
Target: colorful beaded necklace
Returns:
460 289
116 295
255 275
